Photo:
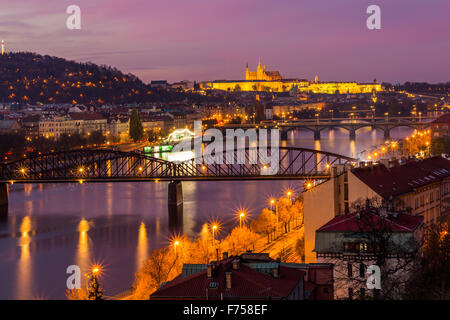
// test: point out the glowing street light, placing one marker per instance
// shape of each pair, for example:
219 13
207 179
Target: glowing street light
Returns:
241 216
214 227
175 244
289 195
272 202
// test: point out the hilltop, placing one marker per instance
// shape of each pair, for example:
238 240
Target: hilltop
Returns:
32 78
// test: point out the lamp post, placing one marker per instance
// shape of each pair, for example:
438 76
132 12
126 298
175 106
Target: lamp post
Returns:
175 244
289 194
214 227
272 202
241 216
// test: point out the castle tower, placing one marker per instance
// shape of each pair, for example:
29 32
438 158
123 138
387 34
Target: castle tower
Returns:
259 71
3 47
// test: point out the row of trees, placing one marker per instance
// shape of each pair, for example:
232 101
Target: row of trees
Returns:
271 222
166 263
18 144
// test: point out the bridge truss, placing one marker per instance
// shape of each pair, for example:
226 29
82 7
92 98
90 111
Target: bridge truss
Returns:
90 165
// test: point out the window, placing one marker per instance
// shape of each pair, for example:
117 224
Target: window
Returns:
325 290
363 247
362 270
350 270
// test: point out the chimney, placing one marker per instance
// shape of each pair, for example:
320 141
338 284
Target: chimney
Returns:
385 162
236 264
209 270
276 272
228 280
225 255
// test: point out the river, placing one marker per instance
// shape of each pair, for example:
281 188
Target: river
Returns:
52 226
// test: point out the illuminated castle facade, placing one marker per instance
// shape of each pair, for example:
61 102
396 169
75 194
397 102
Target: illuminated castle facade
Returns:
272 81
262 74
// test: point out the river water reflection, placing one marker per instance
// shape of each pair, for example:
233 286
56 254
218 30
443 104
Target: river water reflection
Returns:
52 226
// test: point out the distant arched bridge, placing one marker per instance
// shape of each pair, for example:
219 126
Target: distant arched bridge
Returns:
351 125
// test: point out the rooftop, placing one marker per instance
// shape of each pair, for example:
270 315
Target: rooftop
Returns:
246 282
403 178
366 220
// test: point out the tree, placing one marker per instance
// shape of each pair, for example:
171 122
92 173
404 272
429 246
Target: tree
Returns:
158 268
95 291
265 223
284 216
375 243
432 279
136 129
440 145
239 240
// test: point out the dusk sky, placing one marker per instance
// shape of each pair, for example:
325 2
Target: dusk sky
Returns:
214 39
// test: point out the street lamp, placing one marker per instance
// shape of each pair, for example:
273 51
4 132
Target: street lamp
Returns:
289 194
214 227
272 202
241 216
175 244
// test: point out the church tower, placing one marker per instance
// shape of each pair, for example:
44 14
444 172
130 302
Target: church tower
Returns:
247 73
3 47
259 71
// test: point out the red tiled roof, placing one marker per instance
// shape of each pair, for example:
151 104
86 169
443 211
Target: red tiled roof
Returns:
365 221
85 116
247 283
403 178
443 119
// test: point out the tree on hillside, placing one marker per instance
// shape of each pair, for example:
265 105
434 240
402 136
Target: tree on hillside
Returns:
136 129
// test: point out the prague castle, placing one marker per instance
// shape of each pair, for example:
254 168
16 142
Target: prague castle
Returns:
272 81
262 74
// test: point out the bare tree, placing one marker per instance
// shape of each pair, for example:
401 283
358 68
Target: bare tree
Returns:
376 243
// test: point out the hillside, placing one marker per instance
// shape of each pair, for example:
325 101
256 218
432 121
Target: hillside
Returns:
32 78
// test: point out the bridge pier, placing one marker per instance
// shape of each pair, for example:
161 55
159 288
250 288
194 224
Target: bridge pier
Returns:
317 135
175 203
3 201
352 135
387 135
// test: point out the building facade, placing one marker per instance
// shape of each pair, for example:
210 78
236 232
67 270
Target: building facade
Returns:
417 187
356 241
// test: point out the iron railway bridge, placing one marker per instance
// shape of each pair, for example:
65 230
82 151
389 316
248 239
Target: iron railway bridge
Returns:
89 165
